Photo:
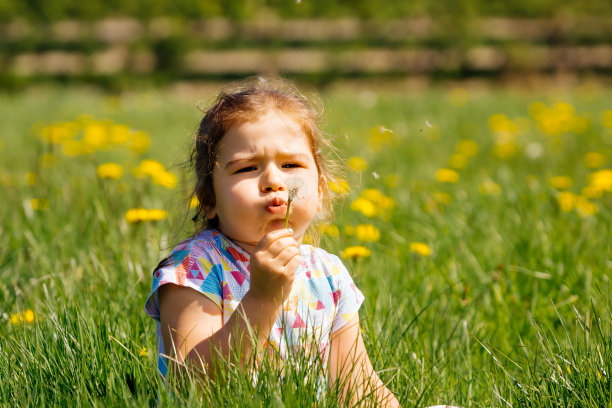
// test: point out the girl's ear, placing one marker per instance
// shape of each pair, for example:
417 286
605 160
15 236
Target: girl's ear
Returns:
211 213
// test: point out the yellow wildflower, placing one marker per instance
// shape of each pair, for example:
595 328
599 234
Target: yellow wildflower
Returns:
56 133
457 161
39 204
367 232
16 318
339 186
601 179
357 164
330 230
119 134
467 148
594 160
500 123
372 194
194 202
140 142
29 316
489 187
458 97
567 201
148 167
560 182
76 148
356 252
380 136
447 176
585 208
136 215
95 136
365 206
157 214
591 192
165 179
111 171
143 352
607 118
30 178
419 248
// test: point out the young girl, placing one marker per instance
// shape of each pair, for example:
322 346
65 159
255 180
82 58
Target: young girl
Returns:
258 160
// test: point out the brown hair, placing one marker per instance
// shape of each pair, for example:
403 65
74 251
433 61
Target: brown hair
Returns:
247 102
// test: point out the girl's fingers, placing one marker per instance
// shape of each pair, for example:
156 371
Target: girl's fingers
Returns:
286 255
293 263
273 236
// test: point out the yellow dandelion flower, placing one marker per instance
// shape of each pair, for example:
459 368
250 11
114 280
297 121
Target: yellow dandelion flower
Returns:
39 204
16 318
357 164
367 233
592 192
165 179
194 202
148 167
330 230
349 230
156 214
95 136
73 148
585 208
355 252
119 134
502 124
457 161
467 148
339 186
594 160
372 194
56 133
505 150
29 316
607 118
143 352
112 171
365 206
139 142
567 201
560 182
136 215
30 178
447 176
489 187
601 179
380 136
419 248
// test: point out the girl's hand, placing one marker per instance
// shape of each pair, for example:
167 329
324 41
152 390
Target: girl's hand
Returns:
273 265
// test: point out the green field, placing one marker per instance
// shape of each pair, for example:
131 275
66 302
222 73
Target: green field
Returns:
487 213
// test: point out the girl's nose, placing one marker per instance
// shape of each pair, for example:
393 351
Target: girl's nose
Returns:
272 179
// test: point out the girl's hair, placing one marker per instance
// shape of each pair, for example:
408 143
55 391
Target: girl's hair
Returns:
247 102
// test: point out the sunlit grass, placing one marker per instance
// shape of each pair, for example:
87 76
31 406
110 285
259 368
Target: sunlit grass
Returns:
479 232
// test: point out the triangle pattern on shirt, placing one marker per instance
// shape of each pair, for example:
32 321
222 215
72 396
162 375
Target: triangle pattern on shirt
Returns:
299 323
238 276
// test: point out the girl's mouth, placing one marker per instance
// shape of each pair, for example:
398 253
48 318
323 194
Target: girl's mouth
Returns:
277 206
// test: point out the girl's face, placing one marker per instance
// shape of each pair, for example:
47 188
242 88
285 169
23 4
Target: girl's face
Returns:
255 162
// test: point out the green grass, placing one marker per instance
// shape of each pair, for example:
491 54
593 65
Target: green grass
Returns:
512 308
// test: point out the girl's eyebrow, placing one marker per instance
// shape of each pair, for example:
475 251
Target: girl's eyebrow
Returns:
282 155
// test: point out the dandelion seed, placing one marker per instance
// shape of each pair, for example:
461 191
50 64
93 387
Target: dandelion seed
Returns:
293 189
427 123
375 175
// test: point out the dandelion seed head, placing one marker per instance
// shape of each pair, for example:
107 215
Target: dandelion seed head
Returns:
293 188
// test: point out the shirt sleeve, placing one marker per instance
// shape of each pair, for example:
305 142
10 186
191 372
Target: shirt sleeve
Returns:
347 296
192 266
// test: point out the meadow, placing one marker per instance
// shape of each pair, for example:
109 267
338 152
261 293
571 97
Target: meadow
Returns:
476 221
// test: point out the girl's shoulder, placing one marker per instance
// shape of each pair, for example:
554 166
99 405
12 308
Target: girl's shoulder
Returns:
320 259
204 245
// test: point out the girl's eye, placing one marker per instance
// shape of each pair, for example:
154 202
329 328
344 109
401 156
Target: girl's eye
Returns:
245 169
290 165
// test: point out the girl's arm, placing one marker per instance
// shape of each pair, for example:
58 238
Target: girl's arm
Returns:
349 363
192 324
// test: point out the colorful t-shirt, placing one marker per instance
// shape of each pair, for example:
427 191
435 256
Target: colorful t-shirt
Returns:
323 298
